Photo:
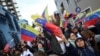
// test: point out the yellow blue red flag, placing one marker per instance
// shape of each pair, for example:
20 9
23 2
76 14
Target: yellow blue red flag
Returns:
45 14
28 33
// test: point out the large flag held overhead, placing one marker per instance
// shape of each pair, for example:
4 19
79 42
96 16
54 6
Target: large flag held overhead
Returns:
97 10
92 19
45 14
28 33
50 27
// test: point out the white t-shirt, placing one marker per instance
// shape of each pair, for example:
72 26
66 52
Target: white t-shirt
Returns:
29 44
79 35
61 45
26 53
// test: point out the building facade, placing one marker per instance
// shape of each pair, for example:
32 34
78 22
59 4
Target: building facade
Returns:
71 5
10 5
76 6
9 29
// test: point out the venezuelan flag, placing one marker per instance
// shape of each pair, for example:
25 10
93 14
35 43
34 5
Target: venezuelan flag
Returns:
29 28
97 10
45 14
28 33
92 19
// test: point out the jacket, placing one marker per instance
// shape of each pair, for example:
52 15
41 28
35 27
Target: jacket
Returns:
55 47
85 52
79 51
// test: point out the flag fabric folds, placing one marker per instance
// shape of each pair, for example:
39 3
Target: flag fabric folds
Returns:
91 20
50 27
26 38
98 10
29 28
45 14
54 29
28 33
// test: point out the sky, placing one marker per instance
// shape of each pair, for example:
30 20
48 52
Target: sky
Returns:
29 7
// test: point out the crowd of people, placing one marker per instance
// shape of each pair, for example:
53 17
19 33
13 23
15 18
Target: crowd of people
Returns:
75 41
71 43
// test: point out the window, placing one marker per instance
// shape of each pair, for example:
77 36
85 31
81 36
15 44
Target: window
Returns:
9 20
12 11
4 3
11 7
16 24
6 7
68 2
9 3
2 0
9 0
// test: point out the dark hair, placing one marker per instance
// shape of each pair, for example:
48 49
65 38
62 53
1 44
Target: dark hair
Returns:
74 28
71 33
39 53
80 39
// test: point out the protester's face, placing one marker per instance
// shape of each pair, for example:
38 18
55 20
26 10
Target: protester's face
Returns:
80 43
17 52
72 36
40 45
75 30
57 16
